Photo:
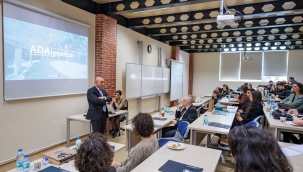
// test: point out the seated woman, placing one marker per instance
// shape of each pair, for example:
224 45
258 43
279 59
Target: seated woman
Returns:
255 149
219 89
296 98
254 110
249 87
242 111
225 90
144 127
216 96
95 154
118 103
243 97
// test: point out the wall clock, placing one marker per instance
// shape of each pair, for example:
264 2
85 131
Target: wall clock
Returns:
149 49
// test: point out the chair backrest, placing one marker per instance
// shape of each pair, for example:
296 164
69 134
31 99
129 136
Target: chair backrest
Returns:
253 123
182 128
125 106
163 141
259 120
199 110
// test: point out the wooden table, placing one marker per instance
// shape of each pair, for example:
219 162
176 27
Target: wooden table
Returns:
295 161
70 166
278 127
225 101
204 100
81 118
199 131
132 139
192 155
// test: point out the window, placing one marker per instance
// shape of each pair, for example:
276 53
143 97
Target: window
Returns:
262 66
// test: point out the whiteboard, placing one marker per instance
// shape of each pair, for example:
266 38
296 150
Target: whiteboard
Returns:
165 80
151 80
176 82
133 80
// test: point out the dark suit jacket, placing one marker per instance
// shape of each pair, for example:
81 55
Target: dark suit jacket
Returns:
95 109
190 115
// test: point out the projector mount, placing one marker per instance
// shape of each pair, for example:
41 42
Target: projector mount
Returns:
227 18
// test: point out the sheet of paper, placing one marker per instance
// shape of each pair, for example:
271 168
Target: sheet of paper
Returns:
298 148
289 122
289 152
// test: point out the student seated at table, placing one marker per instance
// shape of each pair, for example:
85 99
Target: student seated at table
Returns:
118 103
286 86
242 111
254 110
287 137
270 87
216 96
296 98
219 89
281 92
249 87
144 127
95 154
185 112
225 90
255 149
291 81
243 97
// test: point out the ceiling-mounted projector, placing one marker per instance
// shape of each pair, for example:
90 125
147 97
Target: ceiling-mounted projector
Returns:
246 58
227 18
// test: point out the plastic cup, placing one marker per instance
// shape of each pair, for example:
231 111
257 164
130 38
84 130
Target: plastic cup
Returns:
282 119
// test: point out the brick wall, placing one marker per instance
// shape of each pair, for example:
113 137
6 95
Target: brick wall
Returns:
191 73
106 48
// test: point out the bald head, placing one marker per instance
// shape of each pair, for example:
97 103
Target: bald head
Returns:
99 82
187 101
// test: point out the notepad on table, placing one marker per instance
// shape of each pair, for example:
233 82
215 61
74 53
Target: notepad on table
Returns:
173 166
53 169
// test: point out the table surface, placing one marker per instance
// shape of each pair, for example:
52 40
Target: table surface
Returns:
70 165
227 120
81 117
197 156
295 161
225 100
204 100
275 123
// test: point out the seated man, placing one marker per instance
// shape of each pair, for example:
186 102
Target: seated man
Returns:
291 81
271 87
185 112
281 92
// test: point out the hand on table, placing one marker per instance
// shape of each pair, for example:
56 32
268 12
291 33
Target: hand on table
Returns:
173 121
298 121
293 111
117 164
240 111
239 118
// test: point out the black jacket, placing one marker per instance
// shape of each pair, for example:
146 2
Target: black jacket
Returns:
300 110
190 114
225 93
254 112
95 105
282 93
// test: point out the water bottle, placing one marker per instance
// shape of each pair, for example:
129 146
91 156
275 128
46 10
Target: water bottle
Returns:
201 99
26 164
78 143
205 121
19 160
45 161
229 97
168 111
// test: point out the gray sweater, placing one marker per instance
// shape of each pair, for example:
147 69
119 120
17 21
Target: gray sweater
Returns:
138 154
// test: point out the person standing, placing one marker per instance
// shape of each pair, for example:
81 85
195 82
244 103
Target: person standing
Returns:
97 110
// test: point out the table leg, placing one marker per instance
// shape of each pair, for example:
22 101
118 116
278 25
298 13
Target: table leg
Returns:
194 137
128 140
208 140
127 118
67 132
191 137
278 131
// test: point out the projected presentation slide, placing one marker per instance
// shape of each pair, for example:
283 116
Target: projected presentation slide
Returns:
34 52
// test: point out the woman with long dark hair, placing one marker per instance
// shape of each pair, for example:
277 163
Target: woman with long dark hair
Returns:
118 103
225 90
254 110
296 98
255 149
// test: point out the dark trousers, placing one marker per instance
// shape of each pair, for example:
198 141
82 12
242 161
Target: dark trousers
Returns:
287 137
169 131
98 125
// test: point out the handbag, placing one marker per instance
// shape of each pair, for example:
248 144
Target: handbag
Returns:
277 114
284 106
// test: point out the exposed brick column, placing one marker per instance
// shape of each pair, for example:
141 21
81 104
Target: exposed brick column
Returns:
175 55
106 50
191 73
105 54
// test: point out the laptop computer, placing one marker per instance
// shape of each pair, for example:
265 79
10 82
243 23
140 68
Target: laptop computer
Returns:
111 109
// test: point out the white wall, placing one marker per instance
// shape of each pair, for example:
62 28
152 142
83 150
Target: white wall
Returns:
128 52
206 72
34 124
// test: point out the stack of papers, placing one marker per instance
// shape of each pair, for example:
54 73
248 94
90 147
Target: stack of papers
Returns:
293 150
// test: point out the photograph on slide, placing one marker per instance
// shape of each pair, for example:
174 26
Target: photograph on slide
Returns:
33 52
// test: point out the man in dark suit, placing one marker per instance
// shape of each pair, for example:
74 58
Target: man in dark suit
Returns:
185 112
97 110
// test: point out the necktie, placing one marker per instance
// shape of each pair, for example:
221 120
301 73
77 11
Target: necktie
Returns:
182 113
104 107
